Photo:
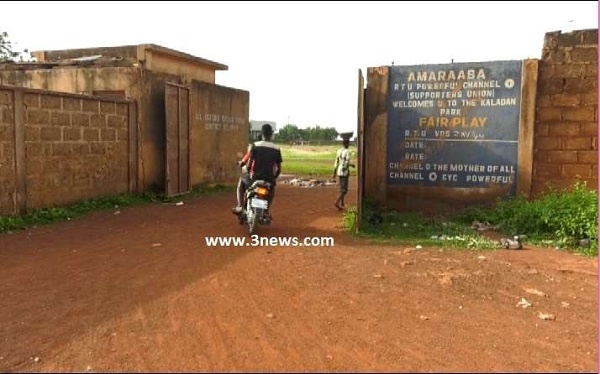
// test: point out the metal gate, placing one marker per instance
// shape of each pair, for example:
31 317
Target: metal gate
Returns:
177 134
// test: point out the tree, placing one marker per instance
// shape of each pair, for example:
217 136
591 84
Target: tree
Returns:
7 52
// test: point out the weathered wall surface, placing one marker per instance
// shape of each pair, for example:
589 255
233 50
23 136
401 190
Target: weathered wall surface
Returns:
61 148
566 131
220 128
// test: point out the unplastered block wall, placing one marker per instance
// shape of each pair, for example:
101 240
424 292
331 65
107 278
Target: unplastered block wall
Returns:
59 148
566 130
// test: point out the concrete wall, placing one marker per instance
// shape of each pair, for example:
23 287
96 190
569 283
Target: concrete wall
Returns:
61 148
566 131
167 64
220 130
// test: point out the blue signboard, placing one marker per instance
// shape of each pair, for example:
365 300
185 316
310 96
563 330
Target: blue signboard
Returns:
454 125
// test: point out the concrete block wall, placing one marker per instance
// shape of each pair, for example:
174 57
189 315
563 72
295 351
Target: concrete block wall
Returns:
72 148
566 129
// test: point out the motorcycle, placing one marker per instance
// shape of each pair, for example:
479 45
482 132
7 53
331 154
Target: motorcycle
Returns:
255 208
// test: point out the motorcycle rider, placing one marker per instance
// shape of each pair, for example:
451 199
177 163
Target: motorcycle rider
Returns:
263 161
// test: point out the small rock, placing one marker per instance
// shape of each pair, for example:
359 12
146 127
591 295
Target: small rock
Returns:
37 359
179 203
156 245
523 303
532 271
564 304
481 258
460 307
546 316
404 263
88 368
419 247
270 315
377 276
117 212
535 292
329 357
424 318
385 262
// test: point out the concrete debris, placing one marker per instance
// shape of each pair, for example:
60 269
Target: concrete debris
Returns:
523 303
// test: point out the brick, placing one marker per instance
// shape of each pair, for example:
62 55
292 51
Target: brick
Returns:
51 134
62 149
7 115
60 119
565 99
122 135
98 120
81 149
551 40
108 135
576 170
97 148
72 104
546 71
579 143
91 135
589 37
589 98
35 167
38 117
547 170
564 129
6 133
80 120
122 109
551 86
51 102
107 107
578 114
32 133
569 71
554 55
567 40
542 101
591 71
559 157
31 100
547 143
589 128
81 178
91 106
72 134
584 54
37 149
588 157
5 97
116 121
548 114
580 85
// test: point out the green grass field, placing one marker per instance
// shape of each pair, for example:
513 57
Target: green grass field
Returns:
312 161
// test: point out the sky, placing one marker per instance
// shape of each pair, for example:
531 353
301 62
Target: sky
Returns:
300 60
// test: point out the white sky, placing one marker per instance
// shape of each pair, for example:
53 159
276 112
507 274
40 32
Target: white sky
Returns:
300 60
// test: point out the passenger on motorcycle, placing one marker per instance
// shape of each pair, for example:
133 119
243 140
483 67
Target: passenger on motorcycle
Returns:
263 162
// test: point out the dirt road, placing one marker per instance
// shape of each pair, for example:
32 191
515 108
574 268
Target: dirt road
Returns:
140 291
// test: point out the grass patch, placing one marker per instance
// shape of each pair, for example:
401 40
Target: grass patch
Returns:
566 219
312 160
57 214
413 229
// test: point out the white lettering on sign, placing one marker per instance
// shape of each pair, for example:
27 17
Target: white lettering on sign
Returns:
220 122
442 75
